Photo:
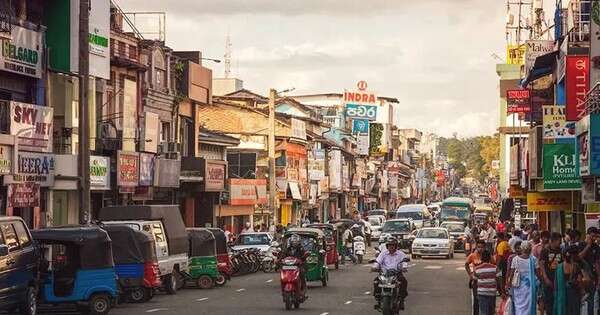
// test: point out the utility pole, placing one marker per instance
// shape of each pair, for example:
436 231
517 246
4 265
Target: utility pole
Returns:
272 182
83 132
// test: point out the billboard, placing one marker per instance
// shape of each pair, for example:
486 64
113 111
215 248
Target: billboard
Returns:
518 101
23 52
561 167
549 201
368 112
33 125
360 126
534 49
555 124
577 84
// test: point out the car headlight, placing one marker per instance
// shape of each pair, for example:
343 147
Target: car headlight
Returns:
417 244
447 245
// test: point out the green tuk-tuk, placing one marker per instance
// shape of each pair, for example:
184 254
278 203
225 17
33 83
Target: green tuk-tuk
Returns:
313 241
202 253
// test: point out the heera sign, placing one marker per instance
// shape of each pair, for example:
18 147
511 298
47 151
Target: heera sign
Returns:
23 53
33 125
33 167
577 85
561 167
518 101
99 172
367 112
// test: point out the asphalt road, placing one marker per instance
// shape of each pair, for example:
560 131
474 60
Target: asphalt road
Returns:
436 286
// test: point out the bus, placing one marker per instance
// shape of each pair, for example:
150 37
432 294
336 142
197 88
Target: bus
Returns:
457 209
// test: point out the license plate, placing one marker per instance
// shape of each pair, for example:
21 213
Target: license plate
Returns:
359 247
289 267
387 286
430 252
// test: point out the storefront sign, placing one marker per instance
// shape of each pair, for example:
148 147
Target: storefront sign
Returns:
549 201
316 165
515 54
146 169
555 125
247 192
33 125
360 126
335 170
167 173
298 129
34 167
128 172
214 176
534 49
23 52
23 195
6 156
99 38
151 125
360 97
368 112
516 191
577 85
518 101
362 144
561 167
99 172
324 185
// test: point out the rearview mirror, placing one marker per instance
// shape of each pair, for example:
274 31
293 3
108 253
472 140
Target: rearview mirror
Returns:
3 250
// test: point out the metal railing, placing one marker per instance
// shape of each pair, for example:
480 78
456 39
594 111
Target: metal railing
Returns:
123 51
592 100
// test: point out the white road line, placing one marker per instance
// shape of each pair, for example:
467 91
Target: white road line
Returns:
269 281
157 310
367 292
460 268
348 302
324 313
433 267
240 290
202 299
412 265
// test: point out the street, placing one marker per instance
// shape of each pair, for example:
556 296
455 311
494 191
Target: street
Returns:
436 286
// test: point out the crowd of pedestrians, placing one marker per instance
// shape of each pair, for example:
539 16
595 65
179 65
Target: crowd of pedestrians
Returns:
533 272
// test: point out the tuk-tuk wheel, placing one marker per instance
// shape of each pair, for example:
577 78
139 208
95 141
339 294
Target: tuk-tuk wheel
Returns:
205 282
99 304
220 280
29 307
337 265
170 282
137 295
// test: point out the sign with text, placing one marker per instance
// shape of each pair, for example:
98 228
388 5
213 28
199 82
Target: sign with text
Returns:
555 124
34 167
362 144
23 195
549 201
577 77
246 192
595 43
33 125
214 176
23 52
99 172
146 169
316 165
298 129
534 49
360 97
128 170
518 101
360 126
368 112
561 167
6 156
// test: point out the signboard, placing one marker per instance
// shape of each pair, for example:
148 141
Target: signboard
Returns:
99 172
360 126
595 43
549 201
361 96
588 190
6 157
245 192
592 219
324 185
128 172
518 101
33 125
99 38
362 144
146 169
214 176
335 170
298 129
23 52
130 118
368 112
561 167
151 125
534 49
23 195
316 165
515 54
555 125
516 191
33 167
166 172
577 84
583 148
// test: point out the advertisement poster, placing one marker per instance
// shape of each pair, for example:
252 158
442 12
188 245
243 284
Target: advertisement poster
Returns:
583 147
146 169
555 124
577 84
128 171
23 195
335 170
316 165
99 172
6 156
549 201
534 49
245 192
33 125
561 167
518 101
360 126
362 144
23 52
214 177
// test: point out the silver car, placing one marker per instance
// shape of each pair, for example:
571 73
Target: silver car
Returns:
433 242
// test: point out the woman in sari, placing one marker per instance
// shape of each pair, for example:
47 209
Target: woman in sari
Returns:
522 281
567 284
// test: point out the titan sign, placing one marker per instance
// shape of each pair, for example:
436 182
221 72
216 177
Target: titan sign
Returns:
577 77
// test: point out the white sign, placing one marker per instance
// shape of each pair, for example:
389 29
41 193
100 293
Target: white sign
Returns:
335 170
6 156
33 125
23 53
99 172
33 167
99 38
298 129
151 124
316 165
362 143
534 49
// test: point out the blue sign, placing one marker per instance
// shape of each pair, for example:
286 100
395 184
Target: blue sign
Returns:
368 112
360 126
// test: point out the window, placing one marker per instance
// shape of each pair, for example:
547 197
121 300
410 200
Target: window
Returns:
10 237
22 234
132 52
165 132
241 165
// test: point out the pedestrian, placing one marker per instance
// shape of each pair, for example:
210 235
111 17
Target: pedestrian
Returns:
347 248
503 252
367 229
515 237
247 228
490 237
522 281
567 284
487 276
590 257
474 260
550 258
543 243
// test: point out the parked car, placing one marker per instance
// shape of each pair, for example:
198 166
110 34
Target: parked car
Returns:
433 242
457 232
165 224
19 268
376 222
259 240
417 212
398 228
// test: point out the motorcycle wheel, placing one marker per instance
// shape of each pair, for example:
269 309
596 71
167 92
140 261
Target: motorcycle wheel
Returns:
220 280
267 267
288 302
386 305
296 304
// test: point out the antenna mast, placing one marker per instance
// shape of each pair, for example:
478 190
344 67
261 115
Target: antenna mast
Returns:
227 56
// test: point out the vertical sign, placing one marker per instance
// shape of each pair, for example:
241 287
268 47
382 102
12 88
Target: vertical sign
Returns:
362 143
595 43
577 86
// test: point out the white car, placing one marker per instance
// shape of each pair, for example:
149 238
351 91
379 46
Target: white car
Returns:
433 242
376 222
259 240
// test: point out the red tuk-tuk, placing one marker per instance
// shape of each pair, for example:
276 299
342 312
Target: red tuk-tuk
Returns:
331 239
223 261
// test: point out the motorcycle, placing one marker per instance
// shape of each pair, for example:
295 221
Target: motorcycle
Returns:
291 284
358 247
269 259
389 303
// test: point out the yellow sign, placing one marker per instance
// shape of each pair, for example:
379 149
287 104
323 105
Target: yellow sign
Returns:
549 201
515 54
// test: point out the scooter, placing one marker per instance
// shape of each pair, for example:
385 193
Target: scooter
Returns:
269 259
358 247
291 284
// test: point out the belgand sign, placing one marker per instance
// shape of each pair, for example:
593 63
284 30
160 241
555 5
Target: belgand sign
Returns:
23 52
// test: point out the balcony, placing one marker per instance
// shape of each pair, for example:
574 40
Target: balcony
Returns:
578 22
124 55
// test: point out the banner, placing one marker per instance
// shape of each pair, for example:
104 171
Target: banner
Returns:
99 172
518 101
23 195
577 85
555 124
360 126
561 167
245 192
33 125
128 172
549 201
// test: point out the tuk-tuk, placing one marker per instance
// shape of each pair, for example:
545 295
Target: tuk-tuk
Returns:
77 268
203 258
136 264
313 241
223 260
331 240
341 226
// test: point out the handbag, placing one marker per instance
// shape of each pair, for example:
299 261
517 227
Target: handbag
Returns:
516 279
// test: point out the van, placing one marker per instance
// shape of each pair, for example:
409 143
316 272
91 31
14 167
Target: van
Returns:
417 212
165 224
19 268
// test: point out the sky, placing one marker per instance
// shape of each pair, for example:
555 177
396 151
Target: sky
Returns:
435 56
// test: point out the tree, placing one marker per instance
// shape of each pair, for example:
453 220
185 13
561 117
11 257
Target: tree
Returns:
490 151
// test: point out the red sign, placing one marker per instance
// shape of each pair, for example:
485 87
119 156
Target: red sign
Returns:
128 171
23 195
578 81
362 85
518 101
245 192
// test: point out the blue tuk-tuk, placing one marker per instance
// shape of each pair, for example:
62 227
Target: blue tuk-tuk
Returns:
77 268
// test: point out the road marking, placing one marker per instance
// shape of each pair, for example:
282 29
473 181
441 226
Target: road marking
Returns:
324 313
202 299
412 265
460 268
269 281
433 267
157 310
240 290
348 302
367 292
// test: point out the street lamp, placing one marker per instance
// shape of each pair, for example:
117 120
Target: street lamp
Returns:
211 59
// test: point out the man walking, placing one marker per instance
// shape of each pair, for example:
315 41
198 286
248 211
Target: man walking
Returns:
487 276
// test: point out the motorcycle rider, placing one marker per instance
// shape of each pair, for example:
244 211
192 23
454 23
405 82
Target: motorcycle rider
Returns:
389 259
296 250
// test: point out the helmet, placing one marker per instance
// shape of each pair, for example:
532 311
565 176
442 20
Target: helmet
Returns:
391 241
295 240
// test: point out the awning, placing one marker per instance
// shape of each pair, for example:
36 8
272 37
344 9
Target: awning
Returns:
227 210
542 67
295 189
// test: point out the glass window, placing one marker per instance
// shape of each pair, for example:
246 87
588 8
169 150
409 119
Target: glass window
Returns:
10 237
440 234
396 226
253 239
22 234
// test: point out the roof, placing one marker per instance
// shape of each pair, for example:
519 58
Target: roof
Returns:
305 231
217 138
457 200
247 94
